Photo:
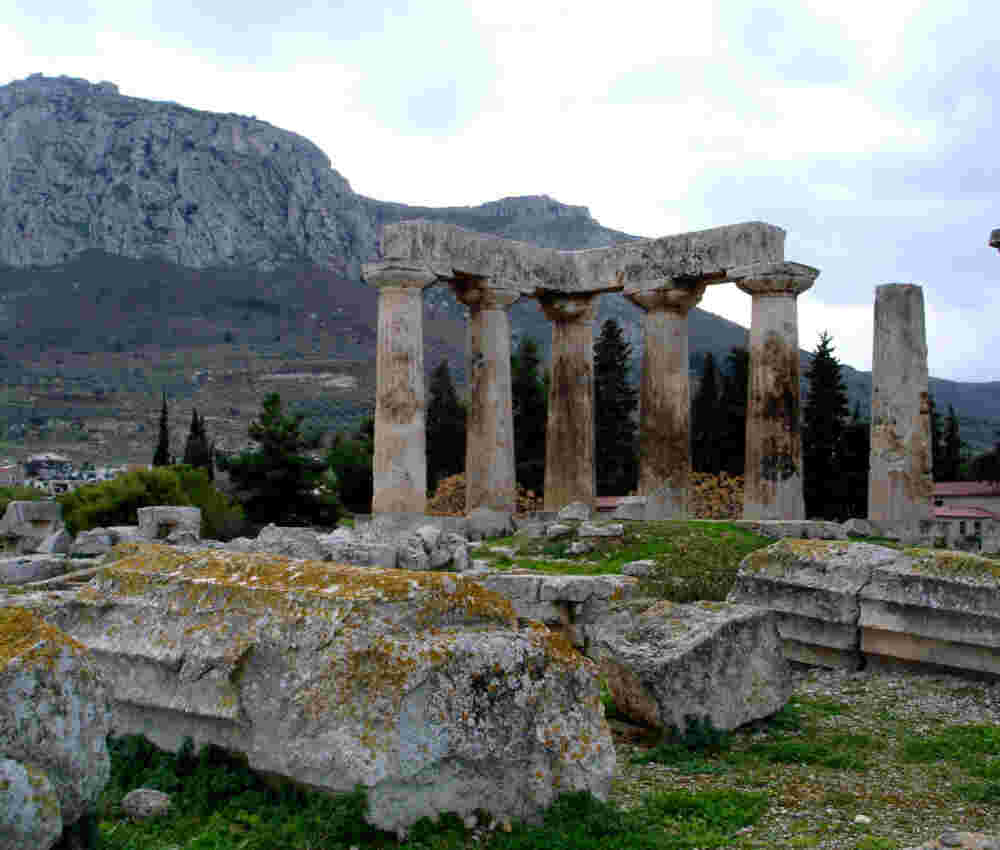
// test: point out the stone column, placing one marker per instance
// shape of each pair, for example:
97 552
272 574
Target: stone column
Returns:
665 401
995 239
400 463
569 433
489 456
900 486
772 486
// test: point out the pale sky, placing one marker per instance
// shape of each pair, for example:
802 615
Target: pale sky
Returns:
868 130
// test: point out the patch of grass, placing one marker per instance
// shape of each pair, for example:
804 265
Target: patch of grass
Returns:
841 751
955 743
699 740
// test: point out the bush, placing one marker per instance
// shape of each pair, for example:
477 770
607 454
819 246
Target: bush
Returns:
18 493
117 502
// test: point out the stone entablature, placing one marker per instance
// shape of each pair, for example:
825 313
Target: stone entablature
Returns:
665 276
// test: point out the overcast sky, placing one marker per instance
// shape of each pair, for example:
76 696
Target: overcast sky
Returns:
868 130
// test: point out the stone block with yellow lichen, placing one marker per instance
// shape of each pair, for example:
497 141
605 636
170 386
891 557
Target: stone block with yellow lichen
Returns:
419 686
54 722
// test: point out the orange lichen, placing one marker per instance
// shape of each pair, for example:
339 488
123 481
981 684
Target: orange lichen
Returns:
27 640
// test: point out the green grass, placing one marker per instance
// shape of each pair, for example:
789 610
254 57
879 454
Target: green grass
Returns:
695 560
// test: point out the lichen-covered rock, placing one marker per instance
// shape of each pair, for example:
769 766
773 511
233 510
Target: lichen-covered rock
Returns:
708 660
293 542
20 570
805 529
94 541
29 808
420 686
54 715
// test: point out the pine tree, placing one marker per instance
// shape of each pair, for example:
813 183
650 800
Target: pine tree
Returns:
937 437
825 410
952 448
277 482
531 403
733 407
705 447
615 404
161 457
445 427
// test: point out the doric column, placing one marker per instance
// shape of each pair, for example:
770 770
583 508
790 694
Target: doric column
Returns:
900 485
489 456
772 487
400 463
569 434
995 239
665 400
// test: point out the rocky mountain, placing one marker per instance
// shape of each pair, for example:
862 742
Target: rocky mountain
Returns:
146 247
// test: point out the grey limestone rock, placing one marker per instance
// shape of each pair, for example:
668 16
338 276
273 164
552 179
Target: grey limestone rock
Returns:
639 569
711 660
25 568
419 686
574 511
57 543
483 523
579 547
96 541
29 807
144 803
290 541
160 521
605 529
630 507
857 527
558 529
54 721
811 529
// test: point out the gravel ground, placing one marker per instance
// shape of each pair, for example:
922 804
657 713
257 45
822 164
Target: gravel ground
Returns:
889 805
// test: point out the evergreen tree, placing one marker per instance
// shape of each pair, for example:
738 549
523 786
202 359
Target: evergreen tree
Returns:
197 449
952 448
937 437
615 405
351 459
531 403
161 457
445 426
823 485
276 482
733 407
705 447
854 463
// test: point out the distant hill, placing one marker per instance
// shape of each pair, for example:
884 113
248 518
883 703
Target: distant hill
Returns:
146 248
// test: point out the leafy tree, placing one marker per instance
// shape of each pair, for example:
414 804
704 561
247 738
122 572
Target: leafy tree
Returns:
198 452
277 482
615 405
937 440
986 467
705 422
350 459
161 457
531 404
733 406
822 432
445 428
952 465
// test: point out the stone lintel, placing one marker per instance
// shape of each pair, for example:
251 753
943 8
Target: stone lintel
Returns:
448 252
397 274
774 278
479 293
667 298
995 239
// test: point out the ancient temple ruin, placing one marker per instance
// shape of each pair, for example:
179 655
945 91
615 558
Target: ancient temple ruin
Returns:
666 277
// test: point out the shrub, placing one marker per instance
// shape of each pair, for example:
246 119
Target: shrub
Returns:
117 502
449 498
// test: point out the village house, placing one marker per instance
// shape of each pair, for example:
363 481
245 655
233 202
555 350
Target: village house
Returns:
967 510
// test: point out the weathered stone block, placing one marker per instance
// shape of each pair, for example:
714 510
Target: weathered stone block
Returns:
593 529
418 686
573 512
711 660
811 529
157 522
96 541
630 507
25 568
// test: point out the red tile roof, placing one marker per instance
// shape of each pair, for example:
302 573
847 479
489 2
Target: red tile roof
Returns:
963 512
966 488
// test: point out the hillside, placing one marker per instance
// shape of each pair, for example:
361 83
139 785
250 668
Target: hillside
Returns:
147 247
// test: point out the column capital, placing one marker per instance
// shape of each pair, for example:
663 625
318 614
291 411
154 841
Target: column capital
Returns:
397 275
774 278
668 298
567 307
481 293
995 239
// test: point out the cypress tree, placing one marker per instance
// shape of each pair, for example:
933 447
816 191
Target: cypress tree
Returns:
733 405
531 404
937 440
854 463
952 447
197 451
445 427
615 404
824 414
161 457
705 448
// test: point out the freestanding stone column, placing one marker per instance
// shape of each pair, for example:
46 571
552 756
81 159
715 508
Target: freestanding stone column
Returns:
400 463
489 456
772 487
569 433
995 239
900 486
665 400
